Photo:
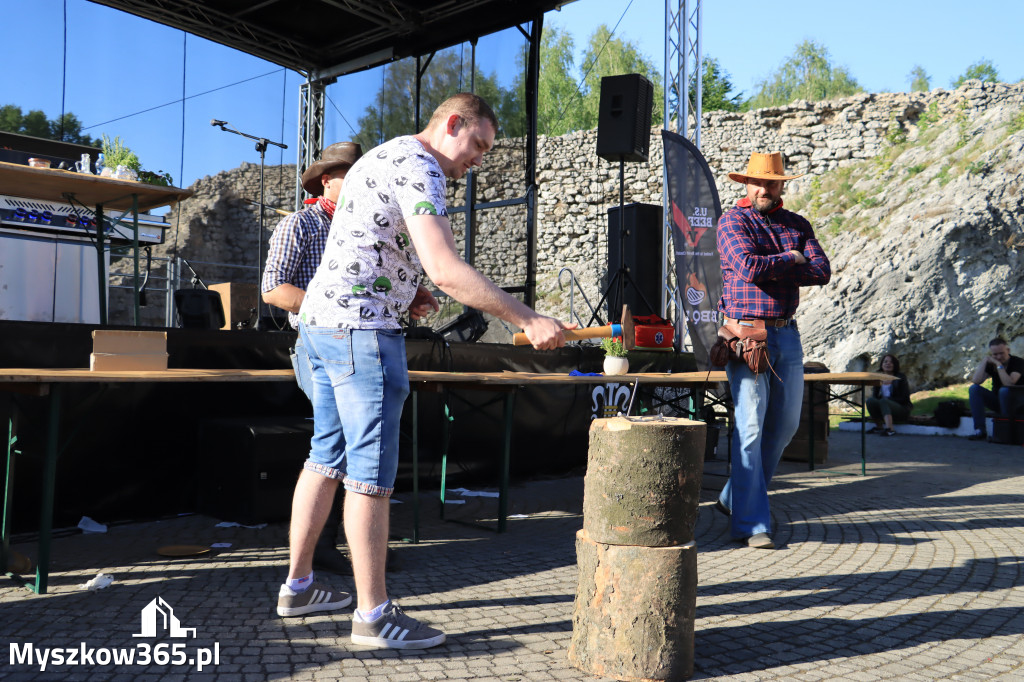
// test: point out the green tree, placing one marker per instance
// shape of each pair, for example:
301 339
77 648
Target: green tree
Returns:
36 124
558 99
608 56
982 70
715 88
919 79
393 111
807 74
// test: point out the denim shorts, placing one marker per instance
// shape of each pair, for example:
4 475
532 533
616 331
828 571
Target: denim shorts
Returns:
360 380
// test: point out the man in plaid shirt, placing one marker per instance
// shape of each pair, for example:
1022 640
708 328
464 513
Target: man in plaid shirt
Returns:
296 248
767 253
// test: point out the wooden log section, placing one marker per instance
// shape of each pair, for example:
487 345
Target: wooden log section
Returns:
634 611
643 481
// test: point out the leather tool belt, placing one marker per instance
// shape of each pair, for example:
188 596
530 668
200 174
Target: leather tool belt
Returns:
744 341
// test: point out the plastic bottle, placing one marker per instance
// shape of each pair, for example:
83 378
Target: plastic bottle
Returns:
99 164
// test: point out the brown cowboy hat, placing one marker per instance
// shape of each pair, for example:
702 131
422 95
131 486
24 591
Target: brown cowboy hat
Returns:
763 167
339 154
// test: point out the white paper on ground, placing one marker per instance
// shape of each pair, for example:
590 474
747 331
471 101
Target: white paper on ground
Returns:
98 583
472 493
89 526
518 516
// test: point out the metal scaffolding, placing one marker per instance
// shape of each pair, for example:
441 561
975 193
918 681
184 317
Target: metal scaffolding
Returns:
683 93
312 95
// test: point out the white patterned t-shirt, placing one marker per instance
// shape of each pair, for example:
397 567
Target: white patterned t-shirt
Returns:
370 271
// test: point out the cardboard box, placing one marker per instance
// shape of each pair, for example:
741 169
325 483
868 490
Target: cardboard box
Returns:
124 362
131 350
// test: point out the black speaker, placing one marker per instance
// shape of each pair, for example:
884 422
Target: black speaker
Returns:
624 118
638 250
199 308
250 466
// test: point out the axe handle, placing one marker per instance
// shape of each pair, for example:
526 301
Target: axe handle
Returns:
519 339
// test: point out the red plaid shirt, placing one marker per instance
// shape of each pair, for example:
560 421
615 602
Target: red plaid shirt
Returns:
760 279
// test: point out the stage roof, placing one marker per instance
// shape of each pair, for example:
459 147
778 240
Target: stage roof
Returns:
333 37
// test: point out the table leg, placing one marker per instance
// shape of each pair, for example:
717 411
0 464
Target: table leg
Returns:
445 439
810 425
506 459
415 466
5 531
49 479
863 443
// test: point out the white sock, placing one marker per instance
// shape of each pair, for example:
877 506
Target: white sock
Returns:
374 614
299 584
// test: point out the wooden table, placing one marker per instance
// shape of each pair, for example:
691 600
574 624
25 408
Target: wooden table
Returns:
61 186
858 381
49 383
507 383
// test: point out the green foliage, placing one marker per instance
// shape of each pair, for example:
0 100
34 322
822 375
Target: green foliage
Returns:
895 135
982 70
943 176
920 81
116 153
916 168
158 178
925 401
393 112
562 106
929 117
613 347
808 74
961 120
715 88
978 167
67 128
608 56
1016 123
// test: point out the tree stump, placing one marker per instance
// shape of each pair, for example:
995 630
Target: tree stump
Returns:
643 481
634 611
637 593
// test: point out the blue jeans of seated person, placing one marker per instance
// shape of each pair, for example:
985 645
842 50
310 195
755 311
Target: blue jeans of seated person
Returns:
980 398
360 380
767 413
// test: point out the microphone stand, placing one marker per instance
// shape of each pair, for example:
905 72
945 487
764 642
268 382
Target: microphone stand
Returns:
261 147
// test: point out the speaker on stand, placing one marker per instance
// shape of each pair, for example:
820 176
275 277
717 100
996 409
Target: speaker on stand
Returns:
635 245
624 134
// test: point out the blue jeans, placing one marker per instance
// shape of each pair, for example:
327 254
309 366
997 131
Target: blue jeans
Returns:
980 398
767 413
360 380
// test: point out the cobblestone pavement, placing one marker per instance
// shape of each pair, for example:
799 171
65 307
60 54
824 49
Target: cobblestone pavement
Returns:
910 573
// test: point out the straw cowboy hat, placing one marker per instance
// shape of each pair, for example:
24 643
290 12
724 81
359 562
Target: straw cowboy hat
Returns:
763 167
339 154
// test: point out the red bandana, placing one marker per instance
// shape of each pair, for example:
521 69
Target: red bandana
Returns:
327 205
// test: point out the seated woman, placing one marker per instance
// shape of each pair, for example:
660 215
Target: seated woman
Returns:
891 400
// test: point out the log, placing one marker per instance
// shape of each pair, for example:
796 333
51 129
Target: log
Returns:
643 479
634 611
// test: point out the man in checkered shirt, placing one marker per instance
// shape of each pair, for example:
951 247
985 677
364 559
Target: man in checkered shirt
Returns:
296 248
767 253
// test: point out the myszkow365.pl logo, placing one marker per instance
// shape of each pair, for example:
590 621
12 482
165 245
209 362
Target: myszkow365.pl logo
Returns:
157 616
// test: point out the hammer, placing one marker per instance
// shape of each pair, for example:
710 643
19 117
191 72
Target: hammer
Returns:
623 329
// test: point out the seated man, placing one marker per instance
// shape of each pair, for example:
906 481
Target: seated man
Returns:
1005 370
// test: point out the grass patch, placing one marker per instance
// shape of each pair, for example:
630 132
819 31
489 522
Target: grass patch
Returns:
916 168
924 403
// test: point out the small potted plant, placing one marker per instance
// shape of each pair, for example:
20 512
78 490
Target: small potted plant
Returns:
615 361
119 161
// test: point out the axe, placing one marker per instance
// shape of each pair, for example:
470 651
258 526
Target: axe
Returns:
623 329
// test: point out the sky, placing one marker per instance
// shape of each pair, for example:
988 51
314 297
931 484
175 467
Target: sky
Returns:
123 76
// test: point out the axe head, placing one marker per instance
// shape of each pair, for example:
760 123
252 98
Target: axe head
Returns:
628 332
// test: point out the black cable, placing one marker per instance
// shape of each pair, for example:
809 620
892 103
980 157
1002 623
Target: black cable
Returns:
198 94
